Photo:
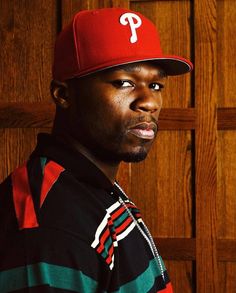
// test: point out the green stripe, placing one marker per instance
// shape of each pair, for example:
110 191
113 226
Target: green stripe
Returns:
107 245
46 274
43 161
121 219
145 281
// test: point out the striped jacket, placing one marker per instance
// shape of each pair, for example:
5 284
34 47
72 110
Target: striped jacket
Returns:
63 229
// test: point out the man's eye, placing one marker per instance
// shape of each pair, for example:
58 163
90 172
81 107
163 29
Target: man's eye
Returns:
156 86
122 83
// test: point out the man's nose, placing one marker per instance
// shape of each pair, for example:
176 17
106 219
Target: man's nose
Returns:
147 100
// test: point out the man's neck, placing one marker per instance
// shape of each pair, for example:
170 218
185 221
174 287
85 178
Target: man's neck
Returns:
110 169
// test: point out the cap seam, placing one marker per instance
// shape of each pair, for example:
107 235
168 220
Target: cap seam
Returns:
76 44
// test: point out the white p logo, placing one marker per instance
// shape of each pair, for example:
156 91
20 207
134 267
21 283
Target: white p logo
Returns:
128 18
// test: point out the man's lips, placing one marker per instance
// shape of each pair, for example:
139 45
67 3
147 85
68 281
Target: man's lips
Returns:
145 130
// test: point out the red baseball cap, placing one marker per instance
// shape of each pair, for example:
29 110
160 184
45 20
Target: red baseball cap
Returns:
99 39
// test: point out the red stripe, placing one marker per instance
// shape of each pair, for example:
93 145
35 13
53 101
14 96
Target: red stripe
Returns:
111 250
112 229
124 225
103 240
51 173
23 202
168 289
117 213
110 254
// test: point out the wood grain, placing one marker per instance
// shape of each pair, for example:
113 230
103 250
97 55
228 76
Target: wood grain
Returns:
226 199
226 118
70 7
26 115
181 275
28 30
185 249
177 118
206 156
227 272
226 61
177 248
226 250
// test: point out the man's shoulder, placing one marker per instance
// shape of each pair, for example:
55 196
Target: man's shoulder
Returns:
43 193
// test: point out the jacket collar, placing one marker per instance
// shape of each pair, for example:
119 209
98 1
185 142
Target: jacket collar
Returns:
82 168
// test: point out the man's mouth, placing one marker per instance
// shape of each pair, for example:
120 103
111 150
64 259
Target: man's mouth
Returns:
145 130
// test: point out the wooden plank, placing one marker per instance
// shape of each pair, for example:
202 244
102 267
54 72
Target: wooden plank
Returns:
226 61
177 248
185 249
181 275
227 272
226 250
226 200
226 118
177 118
28 30
70 7
26 115
206 148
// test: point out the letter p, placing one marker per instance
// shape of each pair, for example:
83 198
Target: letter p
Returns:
128 18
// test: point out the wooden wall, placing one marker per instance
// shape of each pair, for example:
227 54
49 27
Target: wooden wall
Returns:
186 188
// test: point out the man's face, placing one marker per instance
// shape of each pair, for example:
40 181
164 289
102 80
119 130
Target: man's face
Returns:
114 113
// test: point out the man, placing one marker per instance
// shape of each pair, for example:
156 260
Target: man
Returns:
65 223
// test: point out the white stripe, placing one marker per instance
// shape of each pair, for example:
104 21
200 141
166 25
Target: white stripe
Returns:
99 230
112 262
126 232
104 223
113 207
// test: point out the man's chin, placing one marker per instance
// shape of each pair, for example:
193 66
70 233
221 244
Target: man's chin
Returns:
134 157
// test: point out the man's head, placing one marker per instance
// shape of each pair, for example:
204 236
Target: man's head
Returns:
113 113
108 74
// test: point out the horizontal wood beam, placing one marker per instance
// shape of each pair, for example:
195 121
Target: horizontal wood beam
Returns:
178 118
226 250
29 115
176 248
226 118
26 115
184 249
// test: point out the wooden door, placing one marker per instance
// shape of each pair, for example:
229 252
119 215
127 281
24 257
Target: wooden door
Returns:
186 188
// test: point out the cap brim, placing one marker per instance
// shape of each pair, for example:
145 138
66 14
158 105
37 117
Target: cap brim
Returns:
174 65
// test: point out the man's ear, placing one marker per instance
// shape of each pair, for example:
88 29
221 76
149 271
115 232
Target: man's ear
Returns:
60 94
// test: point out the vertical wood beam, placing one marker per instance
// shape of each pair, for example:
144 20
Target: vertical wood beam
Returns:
206 145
